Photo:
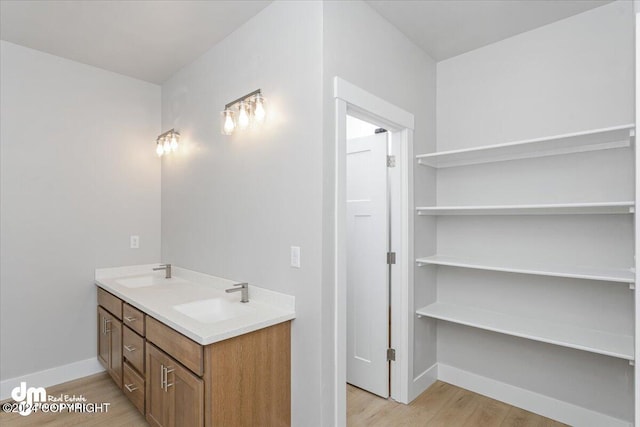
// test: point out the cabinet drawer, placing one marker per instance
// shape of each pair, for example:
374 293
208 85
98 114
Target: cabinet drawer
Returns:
181 348
133 318
112 304
133 387
133 348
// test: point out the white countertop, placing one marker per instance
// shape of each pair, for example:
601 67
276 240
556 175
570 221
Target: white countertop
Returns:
265 307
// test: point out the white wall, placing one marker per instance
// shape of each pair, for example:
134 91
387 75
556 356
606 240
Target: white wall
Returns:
568 76
78 176
233 205
573 75
363 48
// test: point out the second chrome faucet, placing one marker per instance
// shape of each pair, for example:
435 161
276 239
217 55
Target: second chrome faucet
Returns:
241 287
166 268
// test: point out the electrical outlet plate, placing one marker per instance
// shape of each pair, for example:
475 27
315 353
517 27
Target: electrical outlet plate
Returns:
134 242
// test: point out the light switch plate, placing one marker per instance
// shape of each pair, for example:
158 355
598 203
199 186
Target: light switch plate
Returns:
295 256
134 242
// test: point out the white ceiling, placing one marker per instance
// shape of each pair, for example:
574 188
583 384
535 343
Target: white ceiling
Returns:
148 40
446 28
151 40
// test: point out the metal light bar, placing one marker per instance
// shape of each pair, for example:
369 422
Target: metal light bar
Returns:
249 95
169 132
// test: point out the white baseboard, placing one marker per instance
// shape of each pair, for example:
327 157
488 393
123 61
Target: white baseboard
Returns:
423 381
533 402
53 376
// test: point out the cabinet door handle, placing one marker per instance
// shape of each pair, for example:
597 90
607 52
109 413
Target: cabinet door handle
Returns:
167 371
162 376
130 388
130 319
106 322
130 348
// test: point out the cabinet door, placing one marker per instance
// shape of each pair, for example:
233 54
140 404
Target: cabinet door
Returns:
175 396
104 340
186 396
115 327
157 403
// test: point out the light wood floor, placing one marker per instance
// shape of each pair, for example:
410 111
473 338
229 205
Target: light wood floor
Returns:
441 405
96 389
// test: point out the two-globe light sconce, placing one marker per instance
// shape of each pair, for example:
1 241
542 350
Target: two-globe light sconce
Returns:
247 111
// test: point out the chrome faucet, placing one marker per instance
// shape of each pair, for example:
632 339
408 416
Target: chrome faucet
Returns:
166 268
244 288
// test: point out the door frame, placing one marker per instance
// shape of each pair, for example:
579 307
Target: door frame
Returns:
361 104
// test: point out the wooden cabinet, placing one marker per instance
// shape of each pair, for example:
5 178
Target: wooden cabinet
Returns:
110 344
242 381
175 396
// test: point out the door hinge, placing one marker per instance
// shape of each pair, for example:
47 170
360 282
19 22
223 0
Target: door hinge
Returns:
391 161
391 355
391 257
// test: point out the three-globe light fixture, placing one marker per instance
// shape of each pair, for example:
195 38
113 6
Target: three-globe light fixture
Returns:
167 142
251 111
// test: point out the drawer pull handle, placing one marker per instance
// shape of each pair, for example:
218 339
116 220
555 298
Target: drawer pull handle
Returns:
130 319
130 388
130 348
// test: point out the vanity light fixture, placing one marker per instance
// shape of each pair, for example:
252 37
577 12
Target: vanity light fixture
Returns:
167 142
251 110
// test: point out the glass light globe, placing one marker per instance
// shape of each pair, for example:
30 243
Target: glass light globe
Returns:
259 109
174 142
228 123
243 115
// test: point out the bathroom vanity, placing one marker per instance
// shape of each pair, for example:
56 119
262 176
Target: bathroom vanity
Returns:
188 354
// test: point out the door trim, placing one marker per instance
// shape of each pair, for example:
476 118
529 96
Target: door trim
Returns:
359 103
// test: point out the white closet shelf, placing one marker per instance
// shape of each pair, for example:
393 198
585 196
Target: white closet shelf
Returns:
562 334
536 209
591 140
589 273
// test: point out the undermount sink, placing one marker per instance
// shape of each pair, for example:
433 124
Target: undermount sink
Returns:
213 310
149 280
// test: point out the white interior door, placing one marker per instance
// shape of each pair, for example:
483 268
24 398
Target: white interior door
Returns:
367 269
